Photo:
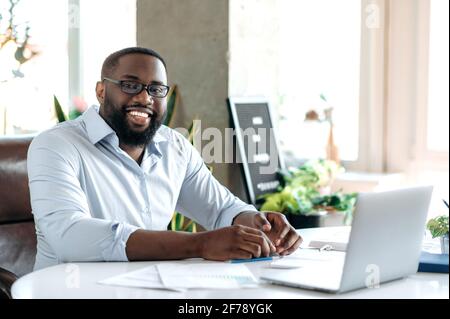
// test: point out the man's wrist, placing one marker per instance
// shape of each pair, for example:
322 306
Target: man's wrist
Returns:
244 218
199 240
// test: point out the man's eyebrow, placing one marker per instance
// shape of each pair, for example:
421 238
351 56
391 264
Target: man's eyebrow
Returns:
135 77
130 76
157 82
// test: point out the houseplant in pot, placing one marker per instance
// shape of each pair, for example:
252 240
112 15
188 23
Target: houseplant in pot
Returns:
304 195
438 227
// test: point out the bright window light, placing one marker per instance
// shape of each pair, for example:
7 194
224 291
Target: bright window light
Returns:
26 103
320 54
438 97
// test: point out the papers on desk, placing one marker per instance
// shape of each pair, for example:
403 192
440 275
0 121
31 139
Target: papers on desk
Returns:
327 244
309 258
337 241
147 277
179 277
214 275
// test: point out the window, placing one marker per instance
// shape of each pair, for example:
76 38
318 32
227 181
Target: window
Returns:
438 79
293 51
26 103
101 35
320 49
432 158
73 40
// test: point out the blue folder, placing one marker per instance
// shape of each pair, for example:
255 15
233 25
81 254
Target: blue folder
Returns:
433 262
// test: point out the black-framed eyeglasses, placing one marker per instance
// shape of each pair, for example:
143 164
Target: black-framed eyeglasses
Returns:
134 88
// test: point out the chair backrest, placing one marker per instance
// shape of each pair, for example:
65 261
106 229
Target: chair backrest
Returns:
17 231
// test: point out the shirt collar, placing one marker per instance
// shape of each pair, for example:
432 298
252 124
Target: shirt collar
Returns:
97 129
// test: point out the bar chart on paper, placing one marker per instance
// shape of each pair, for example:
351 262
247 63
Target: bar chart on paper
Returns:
201 275
179 277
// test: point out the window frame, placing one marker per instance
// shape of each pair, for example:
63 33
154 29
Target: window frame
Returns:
372 93
423 156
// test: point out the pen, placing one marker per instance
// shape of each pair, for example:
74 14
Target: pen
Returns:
249 260
245 260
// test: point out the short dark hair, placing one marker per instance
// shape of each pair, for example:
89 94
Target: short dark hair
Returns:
112 60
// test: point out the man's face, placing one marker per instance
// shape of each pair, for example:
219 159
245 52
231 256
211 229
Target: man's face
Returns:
134 118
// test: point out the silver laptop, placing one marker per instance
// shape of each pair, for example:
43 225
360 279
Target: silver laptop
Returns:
384 244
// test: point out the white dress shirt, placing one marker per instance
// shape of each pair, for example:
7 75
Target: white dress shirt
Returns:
88 195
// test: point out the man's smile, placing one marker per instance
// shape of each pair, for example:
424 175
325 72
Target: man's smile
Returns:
139 109
139 116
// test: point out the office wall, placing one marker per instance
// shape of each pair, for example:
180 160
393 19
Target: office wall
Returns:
192 36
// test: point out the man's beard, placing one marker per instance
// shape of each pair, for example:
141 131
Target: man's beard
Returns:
117 119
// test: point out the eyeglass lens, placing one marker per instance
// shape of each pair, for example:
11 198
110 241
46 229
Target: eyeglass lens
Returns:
136 88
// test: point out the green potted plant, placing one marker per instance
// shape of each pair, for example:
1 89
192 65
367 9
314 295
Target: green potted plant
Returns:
304 195
438 227
79 107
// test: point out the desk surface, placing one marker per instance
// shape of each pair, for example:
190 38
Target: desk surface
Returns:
79 280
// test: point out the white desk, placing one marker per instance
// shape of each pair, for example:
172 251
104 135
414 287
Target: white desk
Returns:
79 280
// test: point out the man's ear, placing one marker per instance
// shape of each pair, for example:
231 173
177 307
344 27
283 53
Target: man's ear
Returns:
100 92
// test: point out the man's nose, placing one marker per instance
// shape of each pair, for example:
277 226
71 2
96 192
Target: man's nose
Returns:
144 98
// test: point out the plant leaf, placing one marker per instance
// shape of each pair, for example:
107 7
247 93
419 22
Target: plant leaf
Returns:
438 226
74 113
171 105
58 110
180 221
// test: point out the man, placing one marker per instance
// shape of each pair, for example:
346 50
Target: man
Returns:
104 186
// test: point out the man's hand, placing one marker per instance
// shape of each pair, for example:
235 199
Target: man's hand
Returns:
235 242
276 226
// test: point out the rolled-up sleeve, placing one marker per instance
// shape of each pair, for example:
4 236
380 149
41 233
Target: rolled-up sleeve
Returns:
61 209
203 199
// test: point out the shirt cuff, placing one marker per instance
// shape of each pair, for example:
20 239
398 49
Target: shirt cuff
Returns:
227 216
116 250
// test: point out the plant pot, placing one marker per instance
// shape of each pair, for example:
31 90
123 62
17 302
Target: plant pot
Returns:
320 219
304 221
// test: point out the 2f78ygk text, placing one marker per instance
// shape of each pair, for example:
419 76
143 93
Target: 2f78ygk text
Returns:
226 309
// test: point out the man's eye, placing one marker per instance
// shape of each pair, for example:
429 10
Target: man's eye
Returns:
131 85
156 89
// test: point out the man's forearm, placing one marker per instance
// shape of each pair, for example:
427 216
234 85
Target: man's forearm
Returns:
161 245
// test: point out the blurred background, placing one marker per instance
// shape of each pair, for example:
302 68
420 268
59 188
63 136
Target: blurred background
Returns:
375 72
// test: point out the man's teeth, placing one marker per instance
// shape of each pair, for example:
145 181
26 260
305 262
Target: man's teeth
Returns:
141 114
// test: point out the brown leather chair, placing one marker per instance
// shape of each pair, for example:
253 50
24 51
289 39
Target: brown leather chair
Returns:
17 232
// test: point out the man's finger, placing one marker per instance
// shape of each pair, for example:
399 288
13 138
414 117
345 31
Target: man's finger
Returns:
282 226
261 239
262 222
294 247
283 231
250 230
257 232
251 247
240 254
288 241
